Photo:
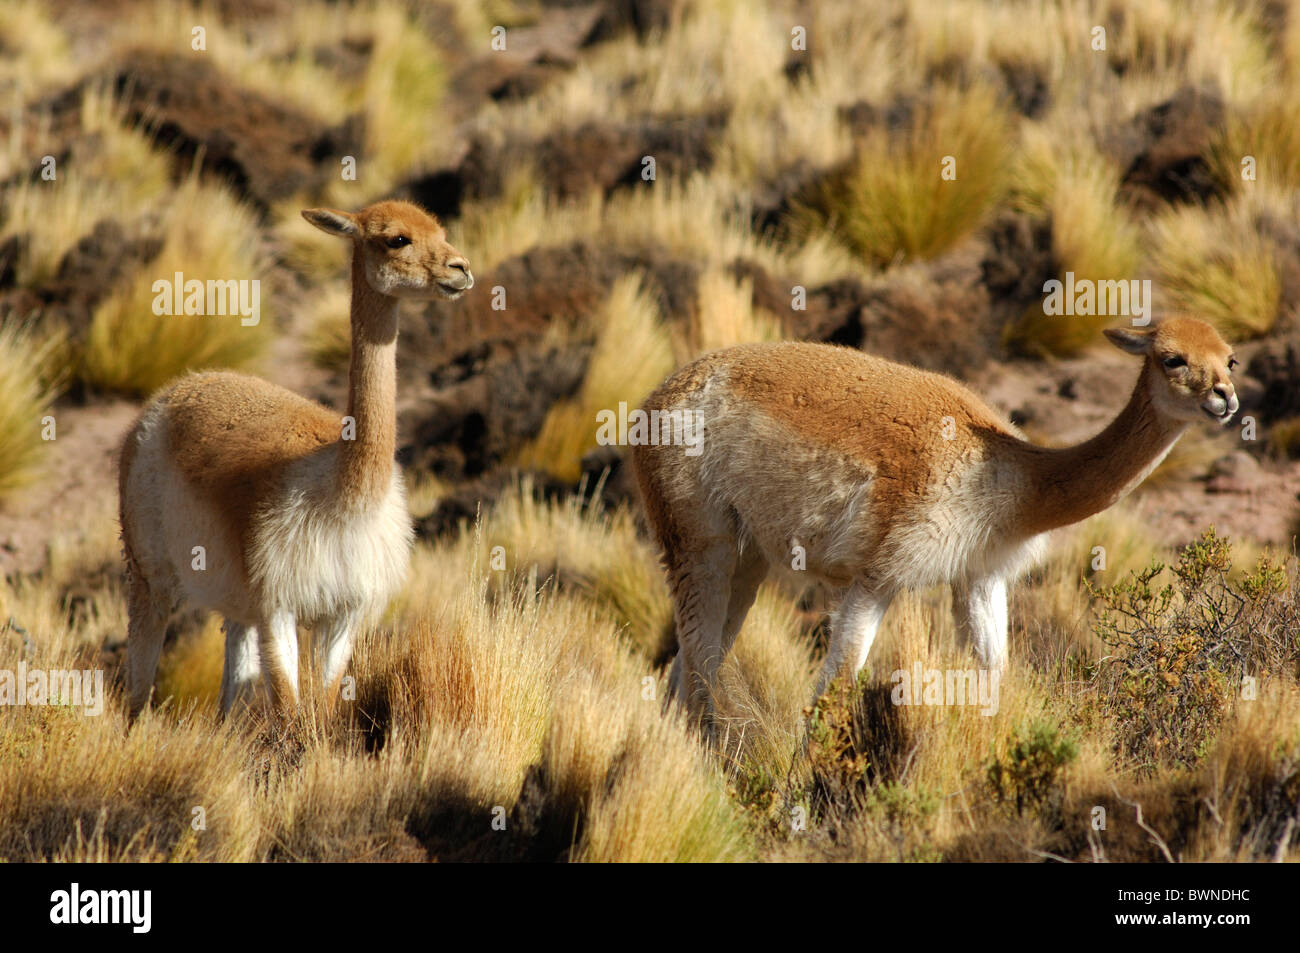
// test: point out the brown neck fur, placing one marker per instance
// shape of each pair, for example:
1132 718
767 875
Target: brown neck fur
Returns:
366 463
1070 484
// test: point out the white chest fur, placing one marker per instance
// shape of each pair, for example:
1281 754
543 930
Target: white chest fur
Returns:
316 559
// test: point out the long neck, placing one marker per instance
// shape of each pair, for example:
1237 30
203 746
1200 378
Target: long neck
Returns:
1072 483
366 461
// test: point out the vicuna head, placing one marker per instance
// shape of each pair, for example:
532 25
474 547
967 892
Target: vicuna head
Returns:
1188 368
403 248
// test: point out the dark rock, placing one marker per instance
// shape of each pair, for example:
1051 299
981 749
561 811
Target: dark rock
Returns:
11 250
640 17
266 150
601 156
603 468
937 317
472 425
1017 262
1163 150
1276 366
774 201
1027 87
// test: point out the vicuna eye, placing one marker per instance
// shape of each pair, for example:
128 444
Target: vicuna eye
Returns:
1172 362
1232 362
397 241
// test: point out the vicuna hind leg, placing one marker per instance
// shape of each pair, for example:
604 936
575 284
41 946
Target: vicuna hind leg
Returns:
747 575
980 606
853 628
701 594
242 676
148 615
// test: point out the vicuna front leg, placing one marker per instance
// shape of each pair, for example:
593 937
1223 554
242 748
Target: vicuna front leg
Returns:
980 606
278 653
242 674
853 629
333 650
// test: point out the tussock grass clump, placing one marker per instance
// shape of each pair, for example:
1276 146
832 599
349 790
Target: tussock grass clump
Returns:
1216 264
207 236
55 216
546 713
893 203
120 177
329 331
25 399
1267 131
662 811
77 787
588 551
189 672
725 316
765 683
37 51
1092 237
306 250
1284 439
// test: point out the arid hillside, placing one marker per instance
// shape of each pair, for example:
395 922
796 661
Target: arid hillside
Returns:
635 183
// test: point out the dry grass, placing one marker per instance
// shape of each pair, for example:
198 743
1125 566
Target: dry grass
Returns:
37 51
1265 131
1216 264
208 235
524 691
56 215
475 698
519 675
25 399
725 316
631 356
1092 237
329 331
123 180
895 203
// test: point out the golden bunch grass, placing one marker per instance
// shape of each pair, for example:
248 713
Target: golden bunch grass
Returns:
26 396
1215 263
632 354
1092 236
132 350
894 204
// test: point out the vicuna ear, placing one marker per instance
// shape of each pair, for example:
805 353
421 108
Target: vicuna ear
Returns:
332 221
1129 339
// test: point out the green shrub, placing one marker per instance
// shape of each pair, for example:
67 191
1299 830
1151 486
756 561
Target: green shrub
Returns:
1030 774
1180 650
